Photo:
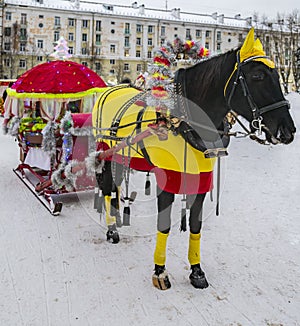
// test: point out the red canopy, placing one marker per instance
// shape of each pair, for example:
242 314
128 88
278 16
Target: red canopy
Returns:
58 77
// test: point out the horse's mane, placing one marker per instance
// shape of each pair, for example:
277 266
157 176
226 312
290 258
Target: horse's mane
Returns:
206 73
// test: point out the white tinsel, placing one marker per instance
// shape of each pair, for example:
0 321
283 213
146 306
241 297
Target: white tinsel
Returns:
93 165
69 181
13 126
49 141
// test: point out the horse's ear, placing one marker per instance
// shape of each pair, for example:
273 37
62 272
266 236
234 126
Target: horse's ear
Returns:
258 50
247 47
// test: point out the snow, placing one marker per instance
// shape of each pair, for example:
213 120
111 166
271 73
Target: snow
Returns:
61 271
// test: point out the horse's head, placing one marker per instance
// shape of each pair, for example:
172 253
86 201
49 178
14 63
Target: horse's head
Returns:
253 91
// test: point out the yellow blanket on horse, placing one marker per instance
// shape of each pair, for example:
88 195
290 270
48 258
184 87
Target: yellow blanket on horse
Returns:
120 107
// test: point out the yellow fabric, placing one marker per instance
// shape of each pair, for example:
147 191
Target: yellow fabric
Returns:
253 48
13 93
110 220
160 249
167 154
194 248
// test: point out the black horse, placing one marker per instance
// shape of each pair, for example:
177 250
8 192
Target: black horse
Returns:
243 81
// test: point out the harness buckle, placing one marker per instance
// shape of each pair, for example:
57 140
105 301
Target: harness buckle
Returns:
257 124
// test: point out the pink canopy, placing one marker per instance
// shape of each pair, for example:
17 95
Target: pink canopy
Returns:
58 77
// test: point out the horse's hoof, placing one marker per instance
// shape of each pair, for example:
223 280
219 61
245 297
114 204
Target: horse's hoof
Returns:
197 277
160 278
112 234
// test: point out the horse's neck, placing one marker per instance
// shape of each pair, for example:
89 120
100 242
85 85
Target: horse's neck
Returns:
212 102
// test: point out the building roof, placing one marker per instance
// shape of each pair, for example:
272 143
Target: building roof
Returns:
136 10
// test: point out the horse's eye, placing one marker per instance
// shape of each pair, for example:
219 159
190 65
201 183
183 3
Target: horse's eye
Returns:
258 76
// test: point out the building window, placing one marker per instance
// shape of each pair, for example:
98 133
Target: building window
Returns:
126 41
7 46
98 25
71 22
84 51
138 41
126 53
8 15
23 34
138 67
57 21
7 31
112 48
84 63
163 31
112 71
149 54
198 33
150 29
98 51
218 36
138 53
139 28
6 62
85 23
112 23
218 46
188 34
98 39
71 37
56 36
22 63
98 66
71 50
207 33
126 67
22 47
112 61
127 28
84 37
39 58
40 44
23 19
150 42
207 45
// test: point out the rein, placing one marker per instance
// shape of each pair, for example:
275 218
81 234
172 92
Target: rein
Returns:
257 112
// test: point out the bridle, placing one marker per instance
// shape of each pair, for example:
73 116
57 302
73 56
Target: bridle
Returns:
257 112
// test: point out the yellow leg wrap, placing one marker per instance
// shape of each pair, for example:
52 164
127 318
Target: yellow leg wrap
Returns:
110 220
194 248
160 249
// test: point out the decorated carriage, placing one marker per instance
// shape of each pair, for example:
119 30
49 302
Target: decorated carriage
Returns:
48 109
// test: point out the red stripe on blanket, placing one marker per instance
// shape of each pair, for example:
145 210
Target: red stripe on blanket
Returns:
183 183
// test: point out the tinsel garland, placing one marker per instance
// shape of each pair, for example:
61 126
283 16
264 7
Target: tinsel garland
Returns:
65 125
13 126
69 181
161 83
93 165
49 141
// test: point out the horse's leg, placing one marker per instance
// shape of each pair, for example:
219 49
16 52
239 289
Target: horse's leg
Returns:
111 180
197 276
160 277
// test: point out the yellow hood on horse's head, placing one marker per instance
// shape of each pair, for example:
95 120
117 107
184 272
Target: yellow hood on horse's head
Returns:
252 48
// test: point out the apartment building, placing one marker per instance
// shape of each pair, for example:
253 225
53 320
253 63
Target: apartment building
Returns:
115 41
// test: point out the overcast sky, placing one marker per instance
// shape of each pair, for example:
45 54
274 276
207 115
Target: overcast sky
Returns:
228 7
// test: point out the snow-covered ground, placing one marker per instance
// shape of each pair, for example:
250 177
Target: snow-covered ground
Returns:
60 270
